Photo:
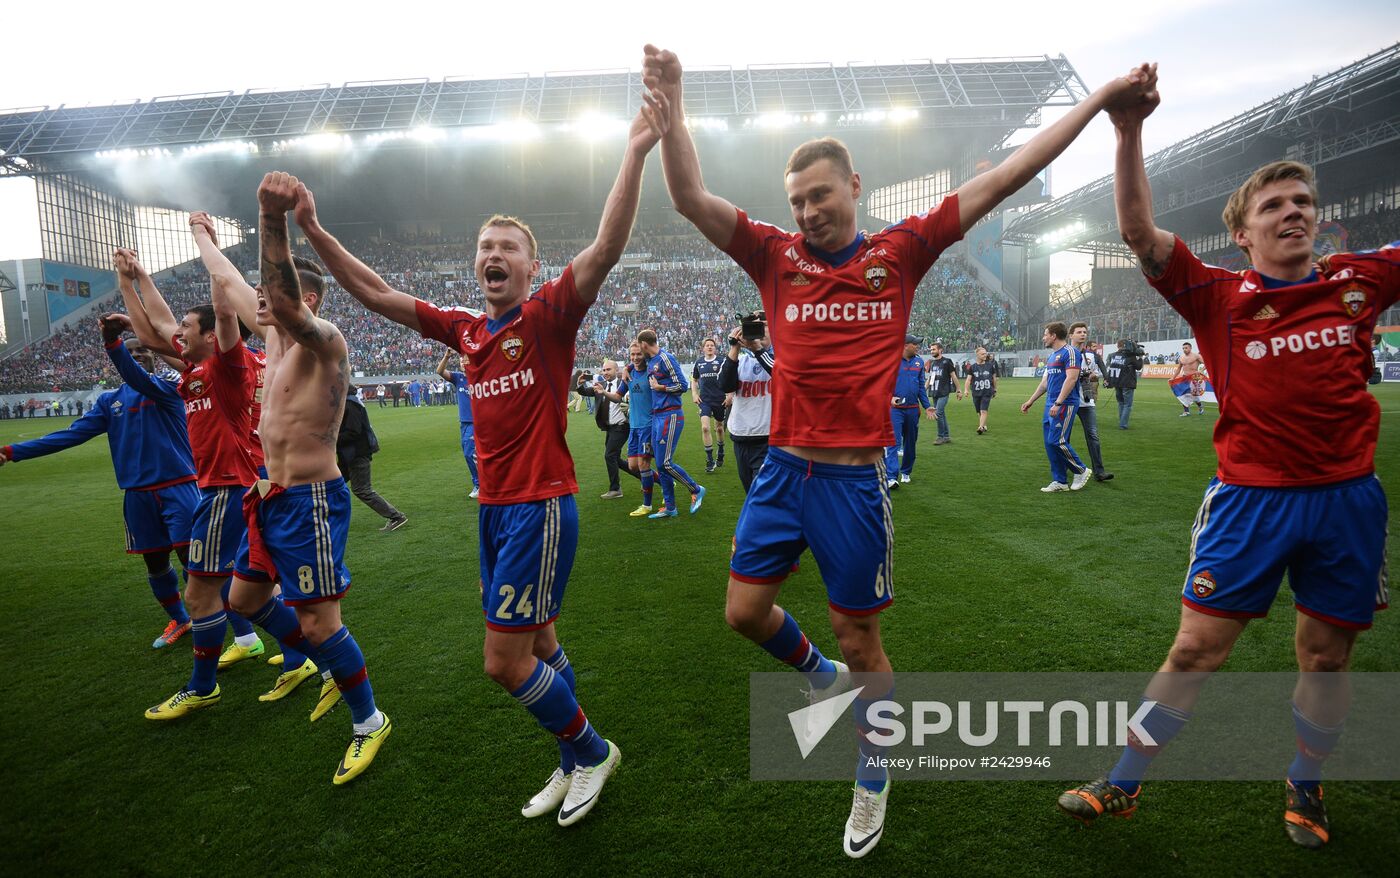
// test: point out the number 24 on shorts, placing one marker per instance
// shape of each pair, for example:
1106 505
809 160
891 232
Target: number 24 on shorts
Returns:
524 607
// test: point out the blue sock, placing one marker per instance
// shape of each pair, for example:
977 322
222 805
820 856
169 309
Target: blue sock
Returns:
1162 723
560 663
280 620
342 657
166 588
1315 743
648 479
547 696
207 632
790 646
872 777
241 626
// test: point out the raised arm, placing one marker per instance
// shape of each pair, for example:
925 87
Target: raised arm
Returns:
358 279
136 378
1132 195
592 265
712 215
442 366
157 310
978 196
157 338
281 286
223 273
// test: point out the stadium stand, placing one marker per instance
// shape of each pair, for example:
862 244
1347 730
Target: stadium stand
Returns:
671 280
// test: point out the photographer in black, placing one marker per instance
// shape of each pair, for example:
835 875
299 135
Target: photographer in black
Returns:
1124 365
747 372
608 390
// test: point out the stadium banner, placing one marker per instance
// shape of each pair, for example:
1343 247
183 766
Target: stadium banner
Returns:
1390 371
1063 726
71 287
1024 372
984 244
1158 370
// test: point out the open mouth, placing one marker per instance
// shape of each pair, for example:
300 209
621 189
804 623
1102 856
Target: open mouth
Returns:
494 275
1293 232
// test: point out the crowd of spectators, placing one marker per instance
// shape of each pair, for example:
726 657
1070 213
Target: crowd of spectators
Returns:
670 279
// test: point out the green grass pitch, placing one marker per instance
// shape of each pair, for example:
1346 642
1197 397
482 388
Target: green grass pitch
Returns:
992 575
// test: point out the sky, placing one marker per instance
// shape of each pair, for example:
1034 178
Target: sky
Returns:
1217 58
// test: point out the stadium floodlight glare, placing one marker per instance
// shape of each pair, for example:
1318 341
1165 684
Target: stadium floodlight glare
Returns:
518 129
594 126
706 123
427 134
776 120
379 137
903 114
324 142
222 147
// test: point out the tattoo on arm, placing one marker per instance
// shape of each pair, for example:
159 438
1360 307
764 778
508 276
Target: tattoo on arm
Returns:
1152 265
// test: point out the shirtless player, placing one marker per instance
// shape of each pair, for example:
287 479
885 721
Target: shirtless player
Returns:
299 517
1190 366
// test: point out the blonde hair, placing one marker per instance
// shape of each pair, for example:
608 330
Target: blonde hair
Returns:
1238 206
501 219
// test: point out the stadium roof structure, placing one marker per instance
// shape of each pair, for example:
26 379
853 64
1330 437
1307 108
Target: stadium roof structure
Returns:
1343 123
996 92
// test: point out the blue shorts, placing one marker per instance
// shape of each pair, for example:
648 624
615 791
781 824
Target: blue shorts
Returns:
527 551
305 529
639 442
841 512
1330 540
159 520
216 531
981 403
712 409
666 432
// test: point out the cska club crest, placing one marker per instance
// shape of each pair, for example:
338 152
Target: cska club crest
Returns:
875 276
1353 300
196 387
1202 584
512 346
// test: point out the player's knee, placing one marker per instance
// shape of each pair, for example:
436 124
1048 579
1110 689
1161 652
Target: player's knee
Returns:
318 629
1323 659
746 620
1194 652
507 672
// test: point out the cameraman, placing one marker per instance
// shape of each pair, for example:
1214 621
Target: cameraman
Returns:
746 372
1124 365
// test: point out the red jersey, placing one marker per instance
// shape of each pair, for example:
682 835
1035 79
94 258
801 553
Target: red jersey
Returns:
255 449
518 369
218 395
838 329
1289 363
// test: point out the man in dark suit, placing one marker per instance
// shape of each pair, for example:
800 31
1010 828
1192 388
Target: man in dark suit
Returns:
612 420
